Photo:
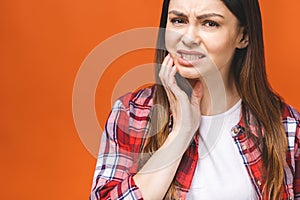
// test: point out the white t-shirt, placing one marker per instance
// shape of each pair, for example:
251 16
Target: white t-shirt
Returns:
220 172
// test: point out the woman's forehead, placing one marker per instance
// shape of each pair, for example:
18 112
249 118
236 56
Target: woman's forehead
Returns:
198 5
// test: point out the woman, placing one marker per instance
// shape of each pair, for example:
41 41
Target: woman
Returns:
212 75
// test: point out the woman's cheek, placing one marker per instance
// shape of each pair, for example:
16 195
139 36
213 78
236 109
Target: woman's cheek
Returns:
169 46
172 40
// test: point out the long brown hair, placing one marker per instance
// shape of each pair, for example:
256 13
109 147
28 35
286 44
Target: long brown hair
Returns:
249 72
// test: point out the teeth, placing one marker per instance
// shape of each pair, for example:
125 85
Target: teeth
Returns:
191 57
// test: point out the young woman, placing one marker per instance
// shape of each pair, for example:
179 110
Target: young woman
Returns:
212 127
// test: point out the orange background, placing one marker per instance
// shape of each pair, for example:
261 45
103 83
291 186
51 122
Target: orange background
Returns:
43 44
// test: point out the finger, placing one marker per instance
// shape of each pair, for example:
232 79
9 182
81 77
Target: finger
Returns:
165 73
164 76
197 93
168 68
171 82
169 77
172 74
163 68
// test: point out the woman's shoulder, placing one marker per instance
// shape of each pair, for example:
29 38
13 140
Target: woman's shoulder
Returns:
142 97
289 112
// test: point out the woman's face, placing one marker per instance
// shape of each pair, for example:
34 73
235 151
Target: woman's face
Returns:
201 36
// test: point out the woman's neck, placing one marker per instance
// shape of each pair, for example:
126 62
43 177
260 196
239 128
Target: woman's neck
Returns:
218 95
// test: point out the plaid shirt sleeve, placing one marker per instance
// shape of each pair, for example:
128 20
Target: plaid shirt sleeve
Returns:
292 125
113 179
120 148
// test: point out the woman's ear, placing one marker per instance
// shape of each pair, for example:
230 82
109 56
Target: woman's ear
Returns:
243 39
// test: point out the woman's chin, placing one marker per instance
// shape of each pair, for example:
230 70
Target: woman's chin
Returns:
188 72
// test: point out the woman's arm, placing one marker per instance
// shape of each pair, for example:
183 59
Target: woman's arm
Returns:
119 149
156 176
114 169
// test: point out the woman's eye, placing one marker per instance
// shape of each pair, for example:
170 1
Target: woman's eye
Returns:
178 21
211 24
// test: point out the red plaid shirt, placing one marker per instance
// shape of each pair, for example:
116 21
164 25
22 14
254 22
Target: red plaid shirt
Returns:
124 136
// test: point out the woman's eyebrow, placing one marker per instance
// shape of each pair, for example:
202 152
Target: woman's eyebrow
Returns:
207 15
179 14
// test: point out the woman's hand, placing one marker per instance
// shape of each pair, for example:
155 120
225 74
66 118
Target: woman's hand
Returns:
164 162
185 110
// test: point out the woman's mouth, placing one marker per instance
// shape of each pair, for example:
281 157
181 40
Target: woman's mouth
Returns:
189 58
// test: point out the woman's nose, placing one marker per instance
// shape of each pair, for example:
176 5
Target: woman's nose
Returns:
191 37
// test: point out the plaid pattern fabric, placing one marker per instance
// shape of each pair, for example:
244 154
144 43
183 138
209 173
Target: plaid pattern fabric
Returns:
124 137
